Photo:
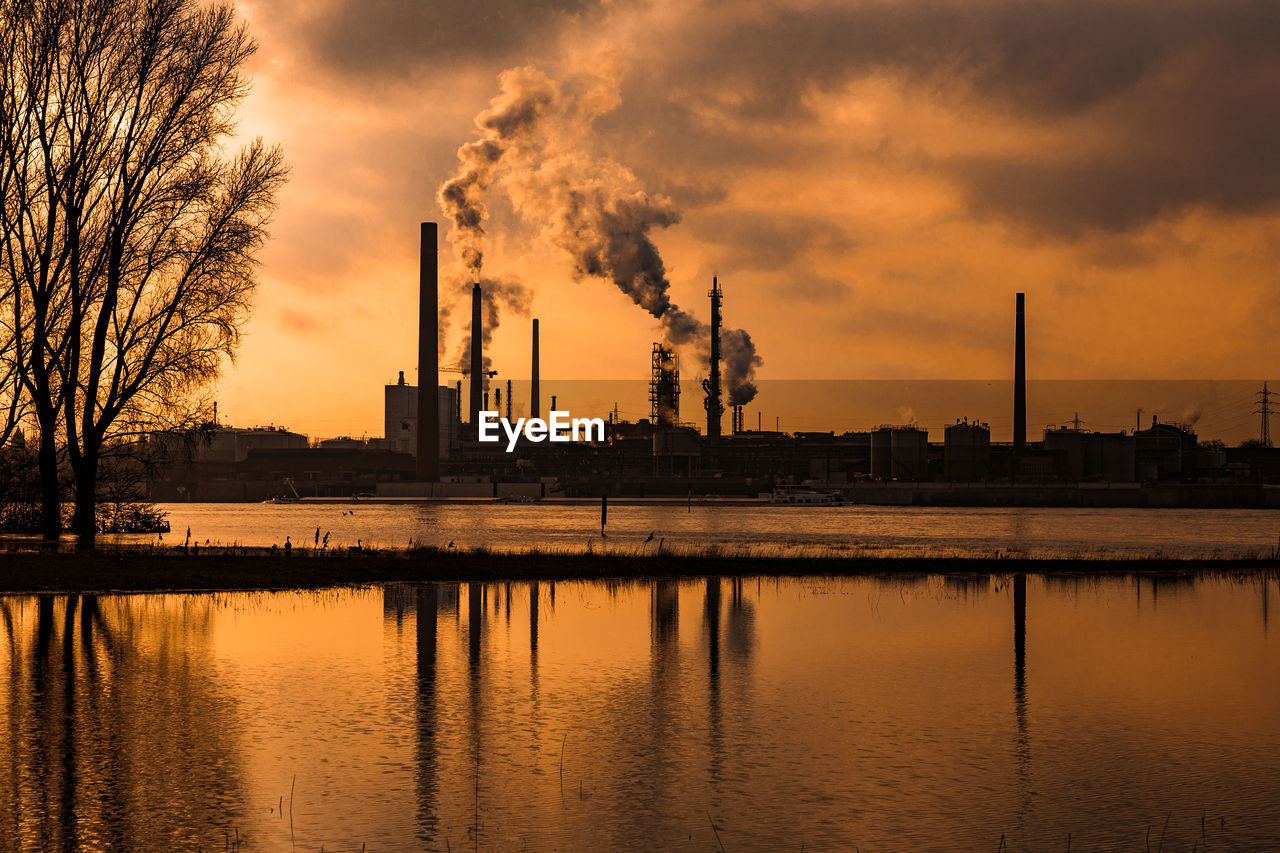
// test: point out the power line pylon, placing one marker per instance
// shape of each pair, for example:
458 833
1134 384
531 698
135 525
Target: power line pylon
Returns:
1264 409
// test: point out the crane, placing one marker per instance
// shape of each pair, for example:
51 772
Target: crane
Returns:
465 370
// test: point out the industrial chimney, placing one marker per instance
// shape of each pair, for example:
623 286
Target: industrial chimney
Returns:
715 410
428 356
477 354
535 409
1020 379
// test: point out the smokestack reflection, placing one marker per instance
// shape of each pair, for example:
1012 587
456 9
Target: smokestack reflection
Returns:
427 603
475 618
1022 745
1266 588
715 734
666 613
476 594
740 631
534 594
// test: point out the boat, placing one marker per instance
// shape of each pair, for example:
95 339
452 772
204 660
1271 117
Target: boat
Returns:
804 496
286 499
516 499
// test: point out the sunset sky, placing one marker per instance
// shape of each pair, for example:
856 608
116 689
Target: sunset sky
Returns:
872 181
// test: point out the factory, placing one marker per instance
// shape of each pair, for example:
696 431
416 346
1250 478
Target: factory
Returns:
430 449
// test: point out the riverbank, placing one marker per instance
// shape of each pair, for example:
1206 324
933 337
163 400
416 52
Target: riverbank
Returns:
170 569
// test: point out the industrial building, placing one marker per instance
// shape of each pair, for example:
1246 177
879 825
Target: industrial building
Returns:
663 455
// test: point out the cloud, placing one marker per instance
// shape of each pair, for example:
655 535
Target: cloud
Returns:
1129 111
298 322
398 39
768 241
873 179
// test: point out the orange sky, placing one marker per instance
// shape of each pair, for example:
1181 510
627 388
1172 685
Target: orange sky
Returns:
872 181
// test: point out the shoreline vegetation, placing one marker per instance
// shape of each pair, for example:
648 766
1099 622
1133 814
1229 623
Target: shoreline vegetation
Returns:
27 567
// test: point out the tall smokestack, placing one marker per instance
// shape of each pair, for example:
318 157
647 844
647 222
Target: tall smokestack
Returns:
1020 378
535 409
428 356
714 408
477 354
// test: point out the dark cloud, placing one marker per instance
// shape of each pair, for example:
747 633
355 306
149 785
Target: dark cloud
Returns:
764 242
1204 132
817 288
1153 106
974 330
397 38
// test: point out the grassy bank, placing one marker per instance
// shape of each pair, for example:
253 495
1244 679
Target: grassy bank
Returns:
148 569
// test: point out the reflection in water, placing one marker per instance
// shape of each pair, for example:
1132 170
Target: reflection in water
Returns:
664 678
923 531
1266 582
711 618
426 609
99 700
1022 743
741 629
475 625
868 712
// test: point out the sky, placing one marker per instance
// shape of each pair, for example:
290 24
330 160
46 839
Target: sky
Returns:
870 181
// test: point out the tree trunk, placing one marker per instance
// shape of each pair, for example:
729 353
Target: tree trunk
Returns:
50 505
86 517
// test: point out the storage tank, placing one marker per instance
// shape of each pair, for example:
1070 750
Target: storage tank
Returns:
909 452
967 452
882 453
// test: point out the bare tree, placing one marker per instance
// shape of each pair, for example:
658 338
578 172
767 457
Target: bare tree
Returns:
155 228
36 170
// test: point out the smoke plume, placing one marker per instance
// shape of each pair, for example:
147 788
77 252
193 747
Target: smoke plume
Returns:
535 144
738 354
506 127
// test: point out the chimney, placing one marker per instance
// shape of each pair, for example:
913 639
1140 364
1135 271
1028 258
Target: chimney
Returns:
428 356
715 410
477 355
1020 378
535 409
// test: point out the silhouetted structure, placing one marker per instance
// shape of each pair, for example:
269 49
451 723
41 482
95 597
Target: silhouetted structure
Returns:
535 407
664 387
428 461
477 354
1020 378
967 452
711 385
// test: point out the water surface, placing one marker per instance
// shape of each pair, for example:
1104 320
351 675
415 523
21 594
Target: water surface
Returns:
764 530
920 713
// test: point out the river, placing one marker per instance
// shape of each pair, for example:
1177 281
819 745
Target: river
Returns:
761 530
739 713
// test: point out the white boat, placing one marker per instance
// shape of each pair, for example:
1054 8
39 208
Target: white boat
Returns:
804 496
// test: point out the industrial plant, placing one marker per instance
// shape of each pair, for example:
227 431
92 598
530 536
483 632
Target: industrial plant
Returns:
429 449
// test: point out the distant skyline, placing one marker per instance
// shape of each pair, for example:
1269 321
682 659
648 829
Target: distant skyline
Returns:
872 181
